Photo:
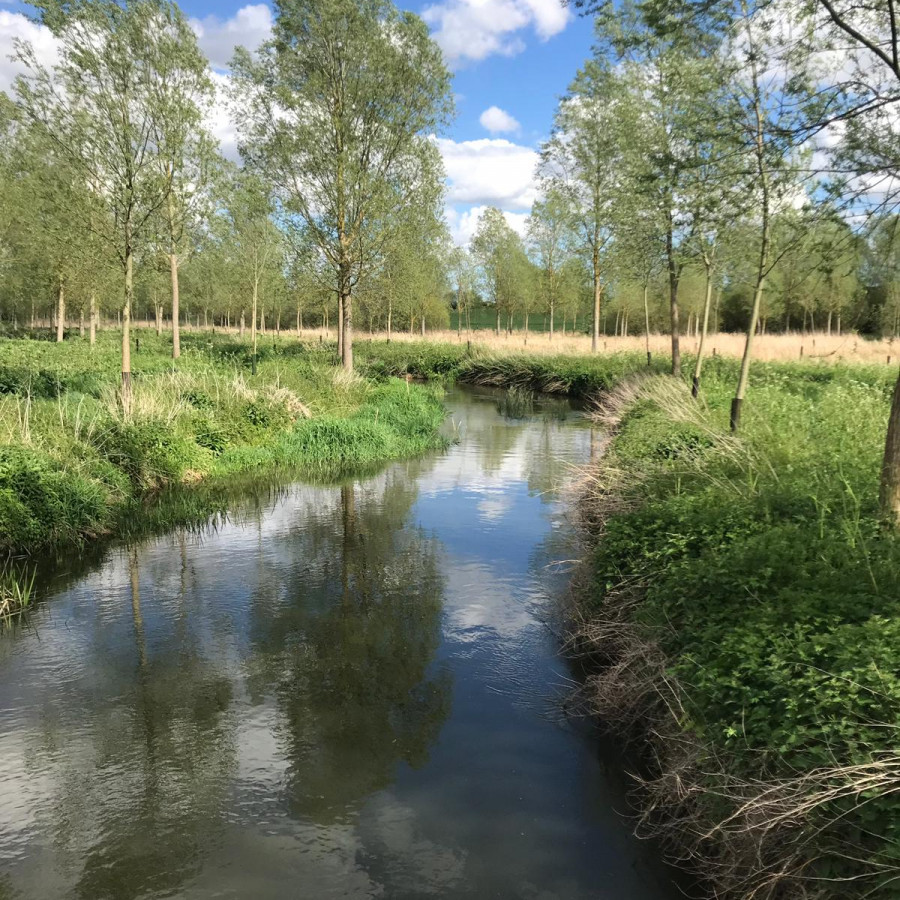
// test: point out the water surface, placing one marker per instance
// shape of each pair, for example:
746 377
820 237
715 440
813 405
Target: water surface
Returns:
346 691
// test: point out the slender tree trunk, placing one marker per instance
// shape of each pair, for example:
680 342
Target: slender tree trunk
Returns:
126 326
340 324
60 312
389 315
498 323
81 323
595 324
176 311
92 325
254 302
762 172
241 326
707 303
550 338
890 467
526 327
647 324
299 323
347 347
673 301
423 324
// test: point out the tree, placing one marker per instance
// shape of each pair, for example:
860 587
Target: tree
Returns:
186 152
337 110
580 163
501 257
255 242
104 106
550 235
875 80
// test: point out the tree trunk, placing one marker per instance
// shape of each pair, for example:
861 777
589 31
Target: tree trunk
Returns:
340 324
390 313
647 324
60 312
550 338
673 302
707 303
176 333
423 324
92 325
254 302
126 327
347 347
81 323
241 326
498 323
890 467
299 323
595 325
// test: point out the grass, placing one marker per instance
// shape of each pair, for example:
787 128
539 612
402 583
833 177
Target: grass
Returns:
72 462
16 591
744 614
793 347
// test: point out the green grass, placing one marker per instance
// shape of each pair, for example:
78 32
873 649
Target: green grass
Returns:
769 584
72 463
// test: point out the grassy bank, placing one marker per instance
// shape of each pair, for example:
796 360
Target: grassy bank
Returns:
72 461
743 614
577 376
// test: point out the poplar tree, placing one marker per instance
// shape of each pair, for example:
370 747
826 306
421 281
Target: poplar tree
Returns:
337 111
104 108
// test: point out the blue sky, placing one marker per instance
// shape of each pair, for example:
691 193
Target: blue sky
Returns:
512 60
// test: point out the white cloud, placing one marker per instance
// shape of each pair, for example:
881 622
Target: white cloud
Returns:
491 171
248 27
475 29
15 26
463 224
219 121
498 120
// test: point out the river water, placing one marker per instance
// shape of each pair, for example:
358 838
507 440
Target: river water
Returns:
345 691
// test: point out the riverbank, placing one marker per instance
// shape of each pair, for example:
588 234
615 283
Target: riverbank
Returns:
73 463
742 615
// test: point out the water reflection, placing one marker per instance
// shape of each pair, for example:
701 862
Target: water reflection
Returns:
331 691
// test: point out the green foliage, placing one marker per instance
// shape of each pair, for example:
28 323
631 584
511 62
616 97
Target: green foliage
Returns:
769 581
72 466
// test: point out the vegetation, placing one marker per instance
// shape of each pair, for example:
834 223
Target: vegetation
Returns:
743 612
71 458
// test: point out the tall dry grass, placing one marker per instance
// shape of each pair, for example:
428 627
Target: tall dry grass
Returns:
767 347
847 348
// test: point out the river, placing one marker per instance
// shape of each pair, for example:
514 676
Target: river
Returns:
343 691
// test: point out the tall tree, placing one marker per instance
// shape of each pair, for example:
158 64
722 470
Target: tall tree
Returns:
105 105
580 162
337 110
550 236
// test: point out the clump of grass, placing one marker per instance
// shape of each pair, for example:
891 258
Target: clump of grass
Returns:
742 612
16 591
516 403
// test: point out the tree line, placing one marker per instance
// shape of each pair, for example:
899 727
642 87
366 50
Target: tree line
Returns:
706 168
